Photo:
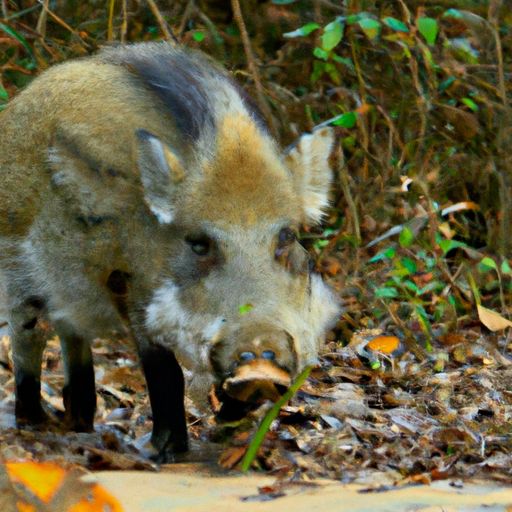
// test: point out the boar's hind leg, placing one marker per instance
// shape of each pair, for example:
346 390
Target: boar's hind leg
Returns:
28 342
79 391
166 387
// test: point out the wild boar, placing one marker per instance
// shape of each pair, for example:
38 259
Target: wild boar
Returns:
140 190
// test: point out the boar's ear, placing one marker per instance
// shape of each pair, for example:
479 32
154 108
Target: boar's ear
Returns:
308 161
160 171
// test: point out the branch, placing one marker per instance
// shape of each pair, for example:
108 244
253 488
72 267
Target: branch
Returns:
251 63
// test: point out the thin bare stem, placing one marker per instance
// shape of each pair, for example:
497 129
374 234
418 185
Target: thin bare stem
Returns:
42 20
187 13
60 21
124 23
110 27
251 63
164 27
345 187
493 19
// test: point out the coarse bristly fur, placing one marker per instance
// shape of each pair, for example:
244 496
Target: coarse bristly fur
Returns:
140 190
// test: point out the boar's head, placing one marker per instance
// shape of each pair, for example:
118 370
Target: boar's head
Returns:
239 302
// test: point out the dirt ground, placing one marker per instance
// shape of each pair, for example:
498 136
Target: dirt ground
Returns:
195 488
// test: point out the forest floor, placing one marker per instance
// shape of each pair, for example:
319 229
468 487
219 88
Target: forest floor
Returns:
402 424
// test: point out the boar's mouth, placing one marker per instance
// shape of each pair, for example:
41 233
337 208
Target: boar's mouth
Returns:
256 381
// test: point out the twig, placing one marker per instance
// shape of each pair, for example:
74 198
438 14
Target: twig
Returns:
124 23
43 18
262 102
422 102
164 27
393 135
332 6
345 187
5 12
362 100
110 28
493 19
21 13
189 9
409 338
60 21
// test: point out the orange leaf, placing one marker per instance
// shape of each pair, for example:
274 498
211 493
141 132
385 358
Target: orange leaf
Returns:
384 344
51 483
42 478
25 507
98 501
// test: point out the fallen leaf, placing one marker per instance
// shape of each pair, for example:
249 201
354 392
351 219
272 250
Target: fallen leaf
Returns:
232 456
48 486
384 344
492 320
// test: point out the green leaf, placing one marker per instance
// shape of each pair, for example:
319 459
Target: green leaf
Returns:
271 415
452 13
385 254
245 308
386 292
505 267
355 18
433 286
320 53
329 232
346 61
411 285
320 244
305 30
198 36
463 50
318 70
283 2
370 27
487 264
347 120
375 365
4 95
394 24
333 34
406 237
333 72
423 320
470 103
16 35
428 28
349 142
446 83
409 264
447 245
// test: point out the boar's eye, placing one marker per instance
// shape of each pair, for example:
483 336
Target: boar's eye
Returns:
286 237
200 245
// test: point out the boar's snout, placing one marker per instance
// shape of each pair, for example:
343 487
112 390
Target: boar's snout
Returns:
255 367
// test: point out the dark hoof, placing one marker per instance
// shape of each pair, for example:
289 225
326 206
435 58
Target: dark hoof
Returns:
167 449
79 425
32 417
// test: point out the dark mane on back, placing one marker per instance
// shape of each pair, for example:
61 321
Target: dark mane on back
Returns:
175 77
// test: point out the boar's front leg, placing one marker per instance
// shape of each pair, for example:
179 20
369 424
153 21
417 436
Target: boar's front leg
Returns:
28 342
79 391
166 388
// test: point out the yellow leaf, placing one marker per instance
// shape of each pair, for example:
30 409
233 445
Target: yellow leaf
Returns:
492 320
